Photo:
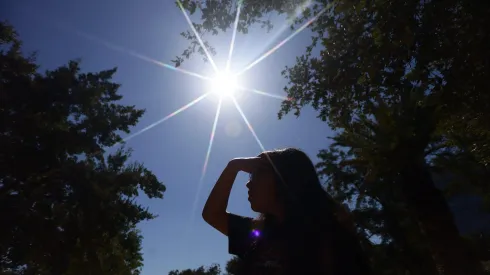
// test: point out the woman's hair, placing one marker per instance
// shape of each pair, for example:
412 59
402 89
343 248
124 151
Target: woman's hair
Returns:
313 219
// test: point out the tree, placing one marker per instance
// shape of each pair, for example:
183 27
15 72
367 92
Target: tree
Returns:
400 248
234 266
211 270
69 207
419 65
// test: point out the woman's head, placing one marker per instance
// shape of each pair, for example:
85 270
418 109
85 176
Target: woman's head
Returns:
289 188
288 184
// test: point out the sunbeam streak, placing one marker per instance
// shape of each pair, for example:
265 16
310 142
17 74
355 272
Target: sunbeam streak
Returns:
262 93
137 55
197 35
280 44
286 25
206 161
181 109
232 44
248 124
260 144
211 139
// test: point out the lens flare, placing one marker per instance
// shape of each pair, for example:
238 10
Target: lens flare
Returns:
280 44
262 93
181 109
248 124
206 161
137 55
286 25
261 146
223 84
232 44
211 139
197 36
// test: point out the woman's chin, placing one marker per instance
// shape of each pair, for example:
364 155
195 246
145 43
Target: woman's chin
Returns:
251 204
254 207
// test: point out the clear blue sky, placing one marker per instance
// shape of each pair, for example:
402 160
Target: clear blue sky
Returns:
175 150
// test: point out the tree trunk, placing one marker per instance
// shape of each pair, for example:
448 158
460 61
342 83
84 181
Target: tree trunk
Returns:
437 223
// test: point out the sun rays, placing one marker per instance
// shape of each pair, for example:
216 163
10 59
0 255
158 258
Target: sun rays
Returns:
137 55
210 59
280 44
249 126
206 160
224 85
232 44
178 111
262 93
228 62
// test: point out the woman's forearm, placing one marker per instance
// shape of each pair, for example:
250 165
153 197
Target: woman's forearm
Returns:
214 211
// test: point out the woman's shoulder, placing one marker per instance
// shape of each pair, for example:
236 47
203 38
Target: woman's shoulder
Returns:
242 233
235 220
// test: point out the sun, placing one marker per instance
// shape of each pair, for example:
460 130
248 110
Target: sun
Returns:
224 84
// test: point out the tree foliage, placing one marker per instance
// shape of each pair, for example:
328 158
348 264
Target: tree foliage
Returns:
403 83
233 267
211 270
68 207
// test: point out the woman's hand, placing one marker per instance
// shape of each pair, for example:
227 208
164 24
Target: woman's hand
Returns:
248 165
214 211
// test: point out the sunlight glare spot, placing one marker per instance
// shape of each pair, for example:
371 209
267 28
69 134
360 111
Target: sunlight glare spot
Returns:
280 44
232 44
197 36
181 109
224 84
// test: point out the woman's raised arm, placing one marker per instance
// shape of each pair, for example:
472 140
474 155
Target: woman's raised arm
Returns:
214 211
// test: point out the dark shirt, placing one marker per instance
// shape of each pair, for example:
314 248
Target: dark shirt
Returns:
260 256
257 256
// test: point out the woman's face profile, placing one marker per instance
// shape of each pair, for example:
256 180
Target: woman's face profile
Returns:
262 190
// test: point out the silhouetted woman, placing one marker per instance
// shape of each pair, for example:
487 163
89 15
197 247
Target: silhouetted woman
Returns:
299 230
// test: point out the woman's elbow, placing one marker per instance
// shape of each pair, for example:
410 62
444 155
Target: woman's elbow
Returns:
205 216
217 221
208 216
212 218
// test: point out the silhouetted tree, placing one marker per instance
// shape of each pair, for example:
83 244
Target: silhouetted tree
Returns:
68 207
234 266
211 270
405 85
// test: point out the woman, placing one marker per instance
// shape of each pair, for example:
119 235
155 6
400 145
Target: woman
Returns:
299 230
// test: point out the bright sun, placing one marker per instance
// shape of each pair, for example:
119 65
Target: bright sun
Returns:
224 84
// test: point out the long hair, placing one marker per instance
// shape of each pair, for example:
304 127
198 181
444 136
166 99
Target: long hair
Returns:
312 221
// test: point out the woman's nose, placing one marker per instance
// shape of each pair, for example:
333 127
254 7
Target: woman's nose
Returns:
248 184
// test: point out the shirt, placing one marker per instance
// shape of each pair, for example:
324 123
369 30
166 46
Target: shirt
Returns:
257 256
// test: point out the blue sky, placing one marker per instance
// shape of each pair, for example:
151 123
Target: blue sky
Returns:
175 150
